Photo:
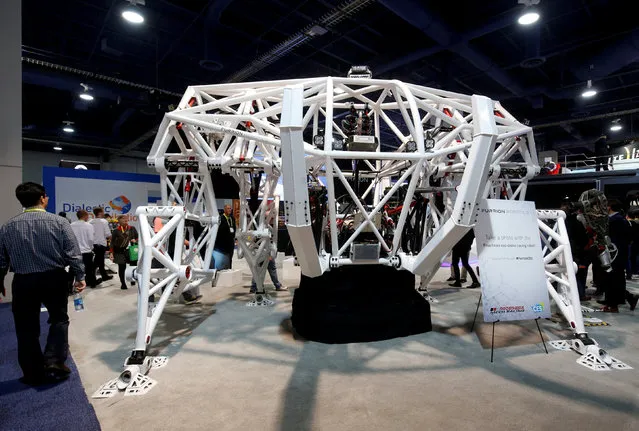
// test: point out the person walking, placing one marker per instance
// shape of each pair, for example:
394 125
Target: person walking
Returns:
461 250
101 234
272 272
578 238
121 238
633 251
84 234
37 246
620 234
225 240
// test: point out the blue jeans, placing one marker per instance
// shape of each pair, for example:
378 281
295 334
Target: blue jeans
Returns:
272 271
220 260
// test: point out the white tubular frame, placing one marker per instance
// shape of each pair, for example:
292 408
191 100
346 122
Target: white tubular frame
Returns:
469 146
560 268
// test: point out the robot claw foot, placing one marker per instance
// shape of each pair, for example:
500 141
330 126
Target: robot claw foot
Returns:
261 300
133 380
427 296
592 356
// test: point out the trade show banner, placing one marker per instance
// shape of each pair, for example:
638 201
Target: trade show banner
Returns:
70 190
513 280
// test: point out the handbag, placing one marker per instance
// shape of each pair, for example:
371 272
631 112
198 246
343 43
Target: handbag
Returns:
133 253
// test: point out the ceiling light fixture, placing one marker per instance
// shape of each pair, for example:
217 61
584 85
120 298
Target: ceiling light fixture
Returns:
528 18
67 127
616 126
57 148
529 15
85 95
132 13
589 91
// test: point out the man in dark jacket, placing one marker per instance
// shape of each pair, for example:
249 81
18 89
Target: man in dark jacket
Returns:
620 234
225 240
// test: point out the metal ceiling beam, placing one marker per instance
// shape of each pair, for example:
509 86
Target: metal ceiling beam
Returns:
218 4
328 20
414 13
499 23
610 59
115 153
92 147
580 120
104 23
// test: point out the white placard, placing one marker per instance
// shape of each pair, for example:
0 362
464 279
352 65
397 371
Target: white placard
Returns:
513 280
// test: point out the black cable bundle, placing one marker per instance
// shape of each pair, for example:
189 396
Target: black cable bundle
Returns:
413 232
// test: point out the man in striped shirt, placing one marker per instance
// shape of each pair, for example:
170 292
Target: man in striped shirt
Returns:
37 246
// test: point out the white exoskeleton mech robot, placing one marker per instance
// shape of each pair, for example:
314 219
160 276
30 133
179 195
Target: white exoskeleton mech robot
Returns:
374 172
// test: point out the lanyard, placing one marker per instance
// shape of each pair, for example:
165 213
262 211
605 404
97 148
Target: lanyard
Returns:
228 219
34 210
122 229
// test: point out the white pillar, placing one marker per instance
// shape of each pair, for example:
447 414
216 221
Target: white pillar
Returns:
11 114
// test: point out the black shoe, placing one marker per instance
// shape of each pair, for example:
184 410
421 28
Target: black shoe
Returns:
633 302
192 299
57 371
107 277
463 280
123 287
188 298
456 284
98 281
451 279
474 285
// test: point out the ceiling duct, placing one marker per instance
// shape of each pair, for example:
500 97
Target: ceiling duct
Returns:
96 76
104 46
315 29
532 48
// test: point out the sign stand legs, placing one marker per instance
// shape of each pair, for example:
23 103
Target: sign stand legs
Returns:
492 343
476 311
541 336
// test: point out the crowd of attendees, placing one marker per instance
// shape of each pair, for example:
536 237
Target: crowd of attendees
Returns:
610 282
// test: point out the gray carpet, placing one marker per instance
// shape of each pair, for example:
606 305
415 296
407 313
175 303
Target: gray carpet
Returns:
238 368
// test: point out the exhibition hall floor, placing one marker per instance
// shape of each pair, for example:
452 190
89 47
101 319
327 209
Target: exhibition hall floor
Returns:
233 367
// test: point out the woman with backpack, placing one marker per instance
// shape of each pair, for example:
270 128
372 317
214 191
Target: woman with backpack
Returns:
121 238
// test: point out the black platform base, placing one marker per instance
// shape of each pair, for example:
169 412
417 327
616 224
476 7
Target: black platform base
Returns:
359 303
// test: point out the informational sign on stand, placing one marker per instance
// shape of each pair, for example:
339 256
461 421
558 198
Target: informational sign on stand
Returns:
513 280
